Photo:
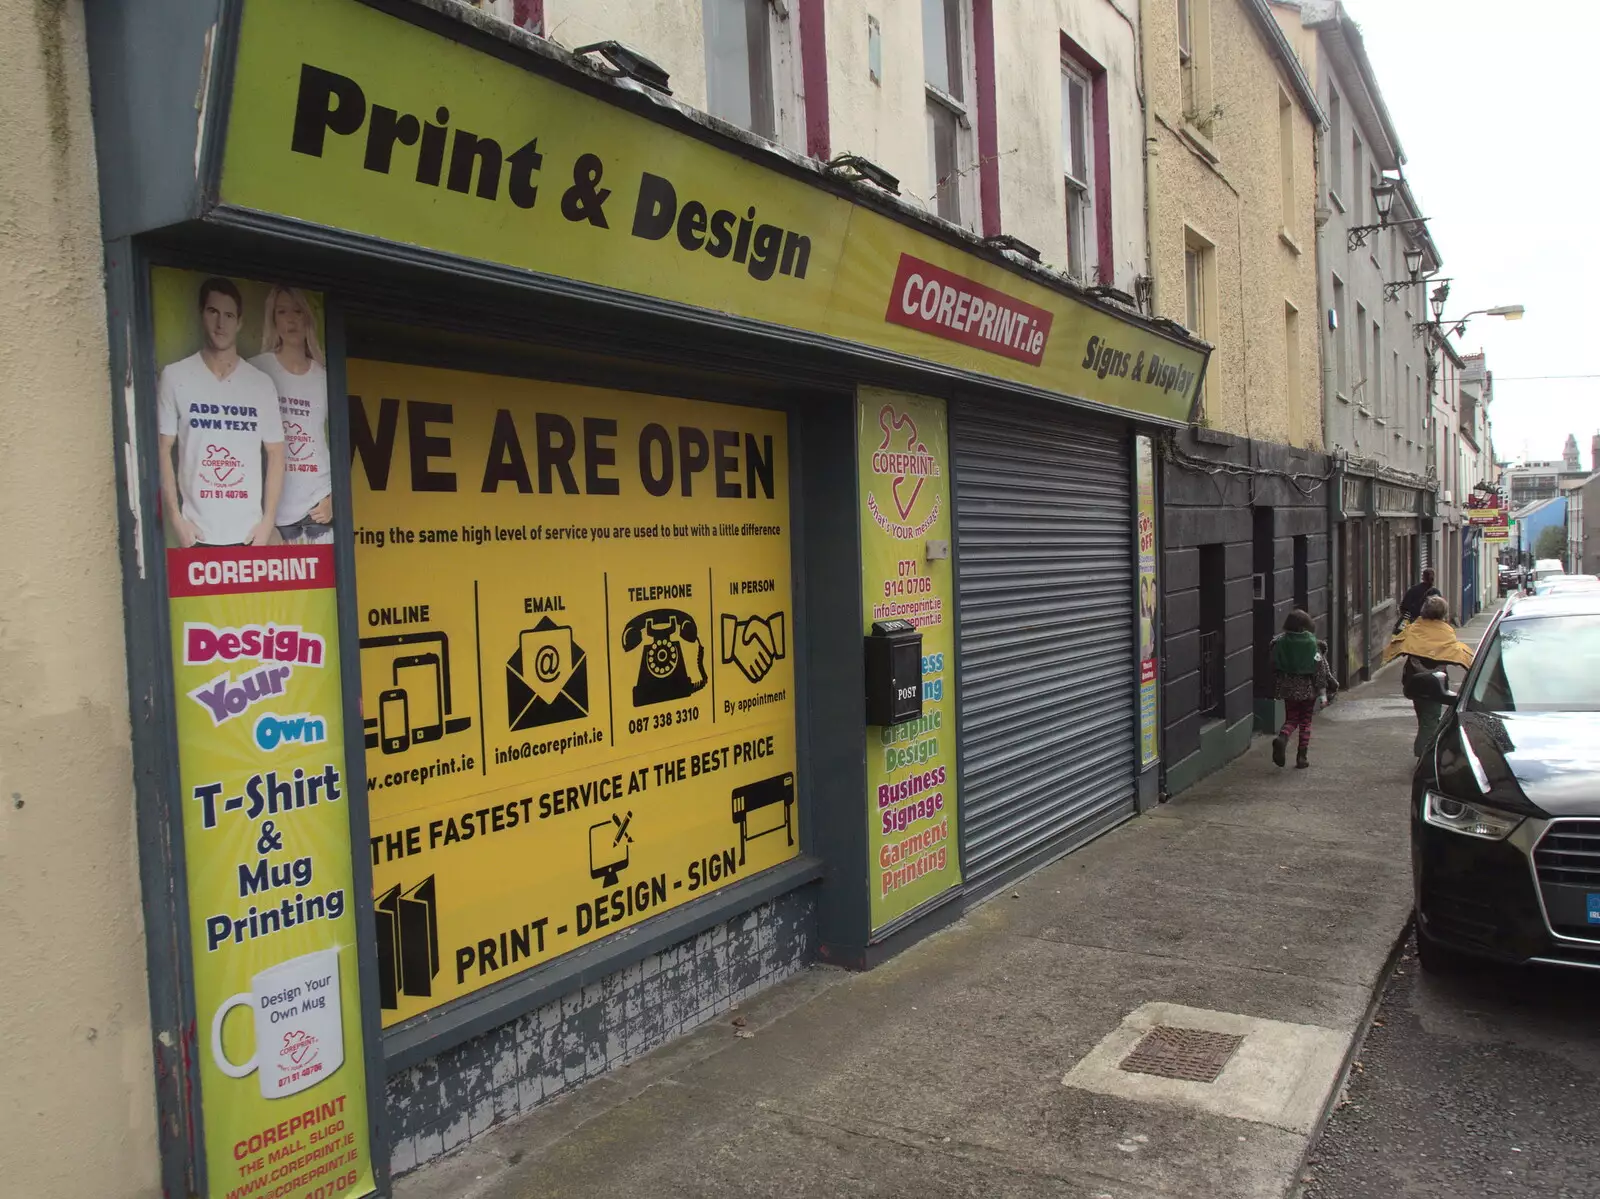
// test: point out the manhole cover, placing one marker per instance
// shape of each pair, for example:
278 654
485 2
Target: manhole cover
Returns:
1193 1054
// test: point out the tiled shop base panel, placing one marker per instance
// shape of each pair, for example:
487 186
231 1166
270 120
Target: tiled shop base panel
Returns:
446 1101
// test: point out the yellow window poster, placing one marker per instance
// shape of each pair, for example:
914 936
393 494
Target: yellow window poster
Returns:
904 464
260 733
577 662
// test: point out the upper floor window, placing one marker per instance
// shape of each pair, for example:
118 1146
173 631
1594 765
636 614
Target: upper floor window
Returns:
1077 157
1200 292
1358 172
1194 62
1286 160
947 63
1335 142
750 67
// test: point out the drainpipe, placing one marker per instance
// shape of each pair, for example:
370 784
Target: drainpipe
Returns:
1151 170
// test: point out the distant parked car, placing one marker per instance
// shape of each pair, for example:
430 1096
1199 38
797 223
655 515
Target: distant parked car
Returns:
1557 584
1508 580
1505 803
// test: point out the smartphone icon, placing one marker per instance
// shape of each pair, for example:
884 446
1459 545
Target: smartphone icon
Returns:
394 728
419 676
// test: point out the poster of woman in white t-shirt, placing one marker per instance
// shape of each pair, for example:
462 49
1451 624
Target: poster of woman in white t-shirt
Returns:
292 357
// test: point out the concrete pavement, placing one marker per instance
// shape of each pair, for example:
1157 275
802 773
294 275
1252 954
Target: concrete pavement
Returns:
1267 901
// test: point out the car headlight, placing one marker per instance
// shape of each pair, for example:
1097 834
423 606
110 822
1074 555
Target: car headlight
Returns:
1443 812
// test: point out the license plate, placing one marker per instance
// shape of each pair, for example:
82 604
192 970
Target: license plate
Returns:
1594 908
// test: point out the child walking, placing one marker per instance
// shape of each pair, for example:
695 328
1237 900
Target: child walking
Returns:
1300 670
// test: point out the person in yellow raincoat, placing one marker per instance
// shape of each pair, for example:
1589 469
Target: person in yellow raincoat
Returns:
1428 643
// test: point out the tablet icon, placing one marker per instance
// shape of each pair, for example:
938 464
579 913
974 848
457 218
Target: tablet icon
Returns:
547 677
411 675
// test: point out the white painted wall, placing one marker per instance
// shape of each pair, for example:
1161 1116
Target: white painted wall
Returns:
1028 103
883 121
669 32
77 1096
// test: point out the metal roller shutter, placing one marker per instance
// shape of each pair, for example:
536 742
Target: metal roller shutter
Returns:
1048 727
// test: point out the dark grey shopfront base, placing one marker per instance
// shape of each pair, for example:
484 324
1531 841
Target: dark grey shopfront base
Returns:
445 1101
1220 743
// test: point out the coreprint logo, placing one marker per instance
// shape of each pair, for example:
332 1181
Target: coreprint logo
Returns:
300 1047
903 458
225 469
944 304
297 440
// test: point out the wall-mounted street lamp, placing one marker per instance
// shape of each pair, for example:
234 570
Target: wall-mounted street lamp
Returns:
1383 201
1391 291
1442 328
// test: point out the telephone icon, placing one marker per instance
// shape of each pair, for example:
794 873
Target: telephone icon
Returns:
673 664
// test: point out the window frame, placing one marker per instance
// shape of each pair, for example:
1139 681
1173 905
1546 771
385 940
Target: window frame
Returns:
1200 299
785 85
1358 207
961 111
1335 145
1286 169
1341 363
1364 400
1083 231
1194 67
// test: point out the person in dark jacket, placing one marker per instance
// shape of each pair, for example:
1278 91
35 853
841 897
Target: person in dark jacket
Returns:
1411 602
1300 669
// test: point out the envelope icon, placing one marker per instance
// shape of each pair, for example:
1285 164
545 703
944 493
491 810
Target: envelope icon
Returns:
547 677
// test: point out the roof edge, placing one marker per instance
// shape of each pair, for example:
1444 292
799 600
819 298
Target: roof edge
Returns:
1278 43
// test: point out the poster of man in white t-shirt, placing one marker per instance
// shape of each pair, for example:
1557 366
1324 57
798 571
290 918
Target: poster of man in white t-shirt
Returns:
221 416
291 355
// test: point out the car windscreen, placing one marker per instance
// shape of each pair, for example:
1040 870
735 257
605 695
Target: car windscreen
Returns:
1542 664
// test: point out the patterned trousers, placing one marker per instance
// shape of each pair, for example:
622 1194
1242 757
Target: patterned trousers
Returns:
1298 714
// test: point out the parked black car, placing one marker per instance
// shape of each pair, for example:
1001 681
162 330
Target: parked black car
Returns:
1505 803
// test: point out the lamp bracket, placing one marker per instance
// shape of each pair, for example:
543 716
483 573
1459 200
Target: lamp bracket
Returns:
1357 235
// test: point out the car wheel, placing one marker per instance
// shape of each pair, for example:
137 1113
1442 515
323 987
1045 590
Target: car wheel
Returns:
1439 959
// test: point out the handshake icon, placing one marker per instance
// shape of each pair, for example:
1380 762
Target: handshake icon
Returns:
753 644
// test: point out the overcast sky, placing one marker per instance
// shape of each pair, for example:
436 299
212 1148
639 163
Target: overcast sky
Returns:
1492 103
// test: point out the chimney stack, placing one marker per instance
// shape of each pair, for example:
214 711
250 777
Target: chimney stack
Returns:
1594 452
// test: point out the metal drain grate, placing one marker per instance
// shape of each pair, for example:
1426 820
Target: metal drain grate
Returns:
1192 1054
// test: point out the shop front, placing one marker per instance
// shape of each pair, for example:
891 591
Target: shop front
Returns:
581 568
1384 528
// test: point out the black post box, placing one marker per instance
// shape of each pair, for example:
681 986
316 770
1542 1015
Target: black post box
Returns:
894 672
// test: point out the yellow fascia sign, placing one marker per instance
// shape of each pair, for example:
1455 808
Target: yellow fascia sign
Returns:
347 117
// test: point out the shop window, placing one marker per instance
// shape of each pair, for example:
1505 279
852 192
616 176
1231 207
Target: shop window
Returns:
1213 610
947 66
751 62
1302 573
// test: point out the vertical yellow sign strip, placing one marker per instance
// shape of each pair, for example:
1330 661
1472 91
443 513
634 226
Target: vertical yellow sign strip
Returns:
242 418
1149 598
904 465
267 846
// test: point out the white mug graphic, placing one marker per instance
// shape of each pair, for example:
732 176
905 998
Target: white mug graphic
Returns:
299 1027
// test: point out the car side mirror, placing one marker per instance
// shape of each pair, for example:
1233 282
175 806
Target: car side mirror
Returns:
1432 685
